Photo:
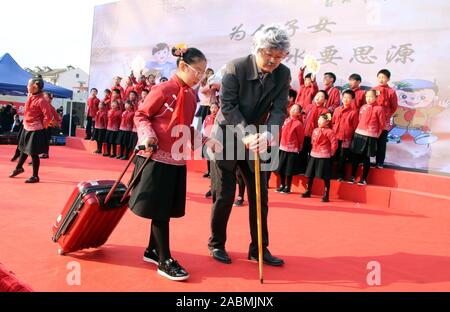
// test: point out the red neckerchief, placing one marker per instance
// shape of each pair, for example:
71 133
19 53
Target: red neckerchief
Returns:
178 114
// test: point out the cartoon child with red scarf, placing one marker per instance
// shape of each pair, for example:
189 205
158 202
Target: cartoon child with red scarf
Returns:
417 104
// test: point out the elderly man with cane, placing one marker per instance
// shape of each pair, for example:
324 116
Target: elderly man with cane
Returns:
254 94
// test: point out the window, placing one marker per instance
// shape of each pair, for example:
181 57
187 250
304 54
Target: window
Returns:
77 75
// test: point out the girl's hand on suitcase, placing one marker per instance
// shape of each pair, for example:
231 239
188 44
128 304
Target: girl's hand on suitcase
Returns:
149 144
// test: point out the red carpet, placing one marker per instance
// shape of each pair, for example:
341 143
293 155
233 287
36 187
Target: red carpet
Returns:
326 246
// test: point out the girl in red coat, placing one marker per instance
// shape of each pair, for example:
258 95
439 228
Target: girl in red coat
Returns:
364 144
292 134
101 122
161 191
324 145
344 122
33 139
312 113
308 89
112 129
125 130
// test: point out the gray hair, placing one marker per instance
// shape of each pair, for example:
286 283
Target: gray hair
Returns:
271 37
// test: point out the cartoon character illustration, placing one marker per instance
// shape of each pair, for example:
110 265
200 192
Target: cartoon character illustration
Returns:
160 62
418 103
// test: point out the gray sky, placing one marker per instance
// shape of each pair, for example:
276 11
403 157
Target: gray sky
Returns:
53 33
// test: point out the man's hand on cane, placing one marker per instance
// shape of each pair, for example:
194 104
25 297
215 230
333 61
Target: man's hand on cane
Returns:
257 142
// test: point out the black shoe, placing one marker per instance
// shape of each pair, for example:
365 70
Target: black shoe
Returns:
206 175
106 155
124 158
220 255
16 172
380 166
340 179
87 138
280 189
113 156
362 182
119 157
208 194
97 152
151 256
325 198
43 156
239 202
267 258
32 180
352 180
307 194
172 270
286 190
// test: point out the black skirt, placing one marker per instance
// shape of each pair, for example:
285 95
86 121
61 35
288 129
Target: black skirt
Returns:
319 168
33 142
202 112
160 192
99 135
111 136
123 137
289 163
364 145
132 142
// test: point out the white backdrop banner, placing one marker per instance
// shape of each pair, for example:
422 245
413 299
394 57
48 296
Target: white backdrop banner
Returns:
410 38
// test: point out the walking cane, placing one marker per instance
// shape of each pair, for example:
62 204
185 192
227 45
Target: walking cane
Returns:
258 216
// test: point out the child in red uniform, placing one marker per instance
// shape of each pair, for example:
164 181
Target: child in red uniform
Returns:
116 97
312 113
308 89
101 122
360 95
344 122
324 145
125 129
161 191
92 108
334 97
112 129
364 143
207 127
292 134
107 99
33 139
387 99
117 86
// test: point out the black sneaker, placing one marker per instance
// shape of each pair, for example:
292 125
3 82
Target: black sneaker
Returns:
380 166
340 179
306 194
239 202
351 180
208 194
206 175
362 182
151 256
280 189
172 270
286 190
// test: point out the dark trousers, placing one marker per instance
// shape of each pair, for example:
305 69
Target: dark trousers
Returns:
304 154
223 191
241 183
381 147
342 155
365 160
89 125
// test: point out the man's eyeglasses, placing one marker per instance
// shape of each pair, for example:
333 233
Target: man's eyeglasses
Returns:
198 74
278 57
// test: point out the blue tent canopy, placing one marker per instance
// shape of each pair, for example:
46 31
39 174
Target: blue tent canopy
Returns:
14 80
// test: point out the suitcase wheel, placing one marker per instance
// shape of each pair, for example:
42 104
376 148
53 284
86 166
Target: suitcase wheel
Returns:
61 252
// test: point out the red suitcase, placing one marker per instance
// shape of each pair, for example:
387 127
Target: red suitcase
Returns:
86 222
92 212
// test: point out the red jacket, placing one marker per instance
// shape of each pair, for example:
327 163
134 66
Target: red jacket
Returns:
107 102
101 119
138 86
387 99
122 91
292 135
312 114
360 98
208 124
114 118
305 95
344 122
371 121
38 113
324 143
126 123
92 106
154 119
334 98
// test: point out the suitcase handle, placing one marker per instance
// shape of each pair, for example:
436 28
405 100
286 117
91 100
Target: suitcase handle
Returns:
114 187
133 181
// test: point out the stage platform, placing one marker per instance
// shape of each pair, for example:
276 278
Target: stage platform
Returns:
400 220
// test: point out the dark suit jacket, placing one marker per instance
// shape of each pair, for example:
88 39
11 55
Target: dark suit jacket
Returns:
248 100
